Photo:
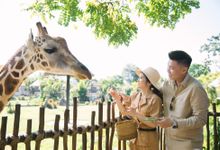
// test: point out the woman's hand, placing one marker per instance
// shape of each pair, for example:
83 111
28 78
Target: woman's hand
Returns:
125 98
131 112
117 97
114 94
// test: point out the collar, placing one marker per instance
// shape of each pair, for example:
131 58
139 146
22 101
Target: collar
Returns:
184 83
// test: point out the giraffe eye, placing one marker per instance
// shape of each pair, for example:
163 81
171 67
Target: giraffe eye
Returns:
50 50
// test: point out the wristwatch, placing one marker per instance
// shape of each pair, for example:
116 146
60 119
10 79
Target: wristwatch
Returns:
174 125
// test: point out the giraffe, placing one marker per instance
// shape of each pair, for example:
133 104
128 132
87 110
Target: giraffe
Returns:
45 53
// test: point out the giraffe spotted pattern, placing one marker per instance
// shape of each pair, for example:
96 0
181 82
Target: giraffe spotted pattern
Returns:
1 106
10 84
1 89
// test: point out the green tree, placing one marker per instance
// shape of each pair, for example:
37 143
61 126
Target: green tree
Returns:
197 70
206 81
73 92
52 87
27 84
82 90
111 82
130 88
112 20
129 73
212 51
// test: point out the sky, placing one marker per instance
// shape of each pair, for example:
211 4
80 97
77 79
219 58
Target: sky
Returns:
150 48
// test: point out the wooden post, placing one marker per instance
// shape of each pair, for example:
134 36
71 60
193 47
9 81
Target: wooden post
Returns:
40 135
67 91
92 130
107 146
56 132
215 126
28 132
84 139
100 121
208 132
124 144
3 133
65 135
15 138
113 127
119 144
119 141
74 134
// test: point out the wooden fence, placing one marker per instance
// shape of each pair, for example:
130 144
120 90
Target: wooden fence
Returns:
56 134
215 129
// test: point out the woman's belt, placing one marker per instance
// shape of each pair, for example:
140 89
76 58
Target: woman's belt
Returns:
147 129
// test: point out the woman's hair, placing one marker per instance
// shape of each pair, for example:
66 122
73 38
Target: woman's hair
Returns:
156 91
153 88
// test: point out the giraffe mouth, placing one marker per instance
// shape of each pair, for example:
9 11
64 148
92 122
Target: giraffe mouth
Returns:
82 77
85 75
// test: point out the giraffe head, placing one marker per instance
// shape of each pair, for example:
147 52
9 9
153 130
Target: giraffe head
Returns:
52 55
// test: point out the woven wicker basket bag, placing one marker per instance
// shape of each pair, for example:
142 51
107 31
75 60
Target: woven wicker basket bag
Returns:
126 129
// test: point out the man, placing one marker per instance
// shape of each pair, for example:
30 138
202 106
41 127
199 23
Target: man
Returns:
185 105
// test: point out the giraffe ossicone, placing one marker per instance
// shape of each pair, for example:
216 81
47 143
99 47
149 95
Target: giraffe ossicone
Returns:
45 53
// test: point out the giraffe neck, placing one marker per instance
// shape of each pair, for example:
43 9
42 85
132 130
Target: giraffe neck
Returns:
13 73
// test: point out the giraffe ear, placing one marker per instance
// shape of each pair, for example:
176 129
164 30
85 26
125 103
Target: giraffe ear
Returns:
31 35
45 30
41 30
30 42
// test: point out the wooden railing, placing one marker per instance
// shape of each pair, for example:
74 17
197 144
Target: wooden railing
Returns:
57 133
64 133
216 125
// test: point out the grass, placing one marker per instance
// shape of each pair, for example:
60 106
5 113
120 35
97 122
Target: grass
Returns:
32 112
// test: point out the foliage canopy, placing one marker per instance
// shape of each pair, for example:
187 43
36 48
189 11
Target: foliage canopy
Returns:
112 20
212 51
197 70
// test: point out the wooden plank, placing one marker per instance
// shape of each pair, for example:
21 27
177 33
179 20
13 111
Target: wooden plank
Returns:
113 127
28 137
119 144
92 135
3 133
40 135
108 126
65 135
84 140
160 138
208 132
119 141
15 138
124 144
74 134
100 122
67 91
56 132
215 127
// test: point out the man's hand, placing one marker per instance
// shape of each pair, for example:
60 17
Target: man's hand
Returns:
164 122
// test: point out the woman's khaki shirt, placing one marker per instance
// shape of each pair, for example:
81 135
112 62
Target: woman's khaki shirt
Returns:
150 106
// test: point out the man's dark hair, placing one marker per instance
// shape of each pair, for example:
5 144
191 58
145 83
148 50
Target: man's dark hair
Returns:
181 57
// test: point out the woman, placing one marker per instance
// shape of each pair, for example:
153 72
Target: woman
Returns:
142 105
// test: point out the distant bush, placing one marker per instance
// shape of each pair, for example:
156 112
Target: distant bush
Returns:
87 102
51 104
10 109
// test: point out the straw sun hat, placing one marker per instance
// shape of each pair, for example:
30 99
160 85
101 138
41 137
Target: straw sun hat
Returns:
152 74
